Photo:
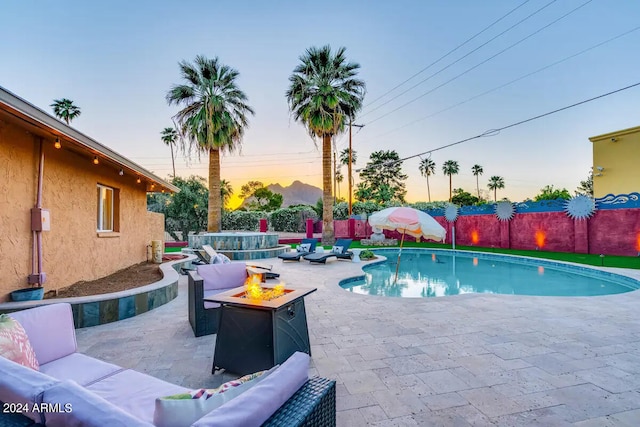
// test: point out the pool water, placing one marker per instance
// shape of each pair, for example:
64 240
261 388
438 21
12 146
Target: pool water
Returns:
428 273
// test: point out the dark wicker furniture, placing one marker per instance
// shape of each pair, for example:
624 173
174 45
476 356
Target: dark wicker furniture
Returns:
313 405
204 321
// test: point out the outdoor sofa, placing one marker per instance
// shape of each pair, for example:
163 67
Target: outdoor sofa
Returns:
206 281
78 390
340 250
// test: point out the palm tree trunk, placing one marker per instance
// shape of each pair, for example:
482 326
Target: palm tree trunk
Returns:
450 189
478 185
214 217
328 237
495 194
173 163
428 189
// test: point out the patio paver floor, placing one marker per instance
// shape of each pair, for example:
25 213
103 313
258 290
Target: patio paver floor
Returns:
455 361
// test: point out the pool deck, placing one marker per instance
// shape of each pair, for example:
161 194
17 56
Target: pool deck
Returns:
477 359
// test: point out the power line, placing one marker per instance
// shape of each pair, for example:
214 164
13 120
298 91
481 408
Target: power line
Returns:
449 53
481 63
507 84
494 132
463 57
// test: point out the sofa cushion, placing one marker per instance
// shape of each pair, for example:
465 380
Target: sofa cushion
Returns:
134 392
19 384
257 404
223 276
184 409
78 407
80 368
14 343
50 330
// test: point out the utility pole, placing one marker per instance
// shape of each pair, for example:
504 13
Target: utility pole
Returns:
349 167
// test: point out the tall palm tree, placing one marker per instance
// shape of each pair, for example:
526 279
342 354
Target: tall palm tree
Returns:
427 168
339 179
324 94
344 156
495 182
213 118
477 171
65 110
450 167
226 191
169 137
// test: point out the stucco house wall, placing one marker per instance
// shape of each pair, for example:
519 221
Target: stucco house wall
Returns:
73 250
615 162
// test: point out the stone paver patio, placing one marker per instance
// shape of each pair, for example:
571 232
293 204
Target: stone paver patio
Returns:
453 361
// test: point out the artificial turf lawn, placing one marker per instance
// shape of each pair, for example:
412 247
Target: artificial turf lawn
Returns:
172 249
589 259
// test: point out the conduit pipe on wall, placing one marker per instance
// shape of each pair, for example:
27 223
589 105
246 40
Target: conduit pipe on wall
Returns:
37 275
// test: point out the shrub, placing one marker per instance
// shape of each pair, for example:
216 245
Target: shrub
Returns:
292 219
367 254
242 220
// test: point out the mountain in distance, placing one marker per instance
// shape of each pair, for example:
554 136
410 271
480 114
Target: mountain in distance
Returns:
298 193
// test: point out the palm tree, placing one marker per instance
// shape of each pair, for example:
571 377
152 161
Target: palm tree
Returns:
226 191
344 156
169 137
450 167
495 182
339 179
477 171
427 168
324 94
65 110
213 119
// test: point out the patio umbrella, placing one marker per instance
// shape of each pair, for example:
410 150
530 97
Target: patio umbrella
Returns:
409 221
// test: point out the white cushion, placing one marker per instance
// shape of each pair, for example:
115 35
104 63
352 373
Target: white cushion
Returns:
134 392
81 408
337 249
19 384
304 247
256 405
173 411
80 368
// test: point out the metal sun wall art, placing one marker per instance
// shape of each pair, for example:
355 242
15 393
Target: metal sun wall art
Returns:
451 212
580 207
505 210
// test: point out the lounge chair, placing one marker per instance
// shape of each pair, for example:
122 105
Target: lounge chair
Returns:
295 255
340 251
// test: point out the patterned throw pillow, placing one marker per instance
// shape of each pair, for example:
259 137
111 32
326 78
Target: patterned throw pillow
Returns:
337 249
186 408
14 343
304 247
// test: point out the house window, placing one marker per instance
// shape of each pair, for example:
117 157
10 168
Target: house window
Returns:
107 208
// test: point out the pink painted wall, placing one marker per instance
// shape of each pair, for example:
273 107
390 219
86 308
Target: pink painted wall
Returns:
609 232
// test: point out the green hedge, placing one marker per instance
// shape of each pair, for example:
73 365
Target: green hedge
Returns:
291 219
242 220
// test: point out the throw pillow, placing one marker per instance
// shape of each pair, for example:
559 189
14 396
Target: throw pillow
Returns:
221 259
14 343
337 249
304 247
186 408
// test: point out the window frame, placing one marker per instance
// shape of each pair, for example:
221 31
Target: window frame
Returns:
100 210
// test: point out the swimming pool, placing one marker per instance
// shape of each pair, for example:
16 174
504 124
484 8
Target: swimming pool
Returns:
435 273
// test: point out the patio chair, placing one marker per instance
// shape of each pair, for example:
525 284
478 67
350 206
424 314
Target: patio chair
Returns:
340 251
206 281
296 255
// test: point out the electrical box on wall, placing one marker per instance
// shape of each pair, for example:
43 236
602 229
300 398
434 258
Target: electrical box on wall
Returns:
40 219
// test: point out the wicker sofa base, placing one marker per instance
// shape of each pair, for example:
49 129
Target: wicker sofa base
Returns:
313 405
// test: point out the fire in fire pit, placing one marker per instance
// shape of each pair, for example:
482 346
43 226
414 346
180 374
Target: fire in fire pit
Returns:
256 292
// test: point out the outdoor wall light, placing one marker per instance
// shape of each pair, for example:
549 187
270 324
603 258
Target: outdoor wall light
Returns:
138 181
95 160
121 172
600 168
57 143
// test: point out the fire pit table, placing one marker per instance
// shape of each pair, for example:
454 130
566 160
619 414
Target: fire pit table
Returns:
254 335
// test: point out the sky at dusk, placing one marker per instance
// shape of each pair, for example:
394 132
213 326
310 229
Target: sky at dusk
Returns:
117 59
